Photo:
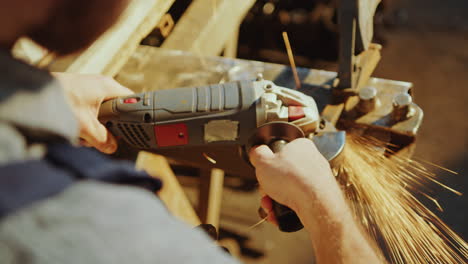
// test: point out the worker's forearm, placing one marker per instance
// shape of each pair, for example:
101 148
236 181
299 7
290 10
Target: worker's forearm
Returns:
335 235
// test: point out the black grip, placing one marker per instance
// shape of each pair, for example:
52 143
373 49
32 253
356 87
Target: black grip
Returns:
288 220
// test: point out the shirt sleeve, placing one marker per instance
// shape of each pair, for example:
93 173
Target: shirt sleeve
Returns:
102 223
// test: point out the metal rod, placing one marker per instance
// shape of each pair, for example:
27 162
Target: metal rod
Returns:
291 60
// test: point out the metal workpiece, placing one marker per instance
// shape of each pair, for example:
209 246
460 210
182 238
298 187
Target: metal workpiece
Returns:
260 77
378 100
402 107
411 121
386 113
368 100
367 93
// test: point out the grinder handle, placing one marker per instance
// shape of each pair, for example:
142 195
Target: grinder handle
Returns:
288 220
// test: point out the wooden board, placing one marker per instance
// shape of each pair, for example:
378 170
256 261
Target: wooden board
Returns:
27 50
210 196
207 25
171 194
230 50
109 53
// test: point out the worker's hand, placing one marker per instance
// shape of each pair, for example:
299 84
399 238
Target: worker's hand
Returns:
267 205
294 177
300 178
86 93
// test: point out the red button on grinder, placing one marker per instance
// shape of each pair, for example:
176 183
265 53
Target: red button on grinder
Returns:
295 113
130 101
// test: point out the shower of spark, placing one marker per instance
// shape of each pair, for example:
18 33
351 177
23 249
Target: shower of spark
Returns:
383 196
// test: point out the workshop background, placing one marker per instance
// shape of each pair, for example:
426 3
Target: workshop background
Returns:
424 42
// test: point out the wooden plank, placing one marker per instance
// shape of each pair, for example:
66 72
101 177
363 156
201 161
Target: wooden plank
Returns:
172 193
230 50
368 60
109 53
27 50
332 113
210 196
207 25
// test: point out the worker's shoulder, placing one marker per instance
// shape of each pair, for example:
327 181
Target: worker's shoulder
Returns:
86 221
90 203
102 223
104 200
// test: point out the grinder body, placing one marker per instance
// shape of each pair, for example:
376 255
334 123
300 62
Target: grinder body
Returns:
189 124
184 117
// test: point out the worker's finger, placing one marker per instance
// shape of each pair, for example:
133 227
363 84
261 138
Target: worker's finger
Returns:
97 136
108 147
267 205
84 143
115 89
262 213
300 144
111 144
260 154
272 218
92 131
261 191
